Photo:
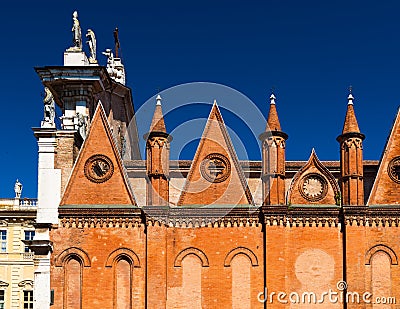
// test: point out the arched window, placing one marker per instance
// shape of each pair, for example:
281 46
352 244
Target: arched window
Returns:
27 293
241 282
72 260
123 284
191 281
381 276
189 264
73 283
241 260
123 261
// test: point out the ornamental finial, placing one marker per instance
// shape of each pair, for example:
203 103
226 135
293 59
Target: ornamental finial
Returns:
158 99
350 98
272 99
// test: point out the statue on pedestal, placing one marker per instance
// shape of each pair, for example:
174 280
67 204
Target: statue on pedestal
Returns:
49 109
92 45
18 189
77 34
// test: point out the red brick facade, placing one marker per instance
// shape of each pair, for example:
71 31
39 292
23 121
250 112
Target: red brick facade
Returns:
218 248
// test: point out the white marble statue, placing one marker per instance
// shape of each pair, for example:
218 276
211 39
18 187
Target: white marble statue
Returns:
92 45
18 189
110 60
115 68
49 109
81 124
77 33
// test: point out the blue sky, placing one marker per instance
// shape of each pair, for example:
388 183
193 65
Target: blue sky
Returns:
309 51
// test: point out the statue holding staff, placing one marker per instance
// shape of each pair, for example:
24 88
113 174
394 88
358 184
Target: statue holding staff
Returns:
76 30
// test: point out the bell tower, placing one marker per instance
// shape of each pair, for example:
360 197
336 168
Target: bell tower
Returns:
351 158
273 158
157 159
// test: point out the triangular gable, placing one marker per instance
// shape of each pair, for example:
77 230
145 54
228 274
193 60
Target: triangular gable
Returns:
98 176
314 184
215 176
386 187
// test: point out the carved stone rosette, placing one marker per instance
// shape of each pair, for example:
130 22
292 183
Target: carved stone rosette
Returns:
215 168
394 169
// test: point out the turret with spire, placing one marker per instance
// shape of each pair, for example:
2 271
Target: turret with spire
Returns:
351 158
157 159
273 158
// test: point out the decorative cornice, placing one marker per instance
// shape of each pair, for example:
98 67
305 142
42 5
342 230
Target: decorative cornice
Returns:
157 135
318 215
108 210
24 283
265 135
372 216
202 216
86 222
89 217
341 138
3 285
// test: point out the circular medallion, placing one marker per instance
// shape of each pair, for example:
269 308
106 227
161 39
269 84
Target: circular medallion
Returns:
394 169
313 187
215 167
98 168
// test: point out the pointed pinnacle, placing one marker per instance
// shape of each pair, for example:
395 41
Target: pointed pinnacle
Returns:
157 123
350 123
273 120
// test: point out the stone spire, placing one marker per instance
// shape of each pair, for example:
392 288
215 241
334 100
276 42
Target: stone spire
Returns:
157 159
157 124
273 158
351 158
350 123
273 123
